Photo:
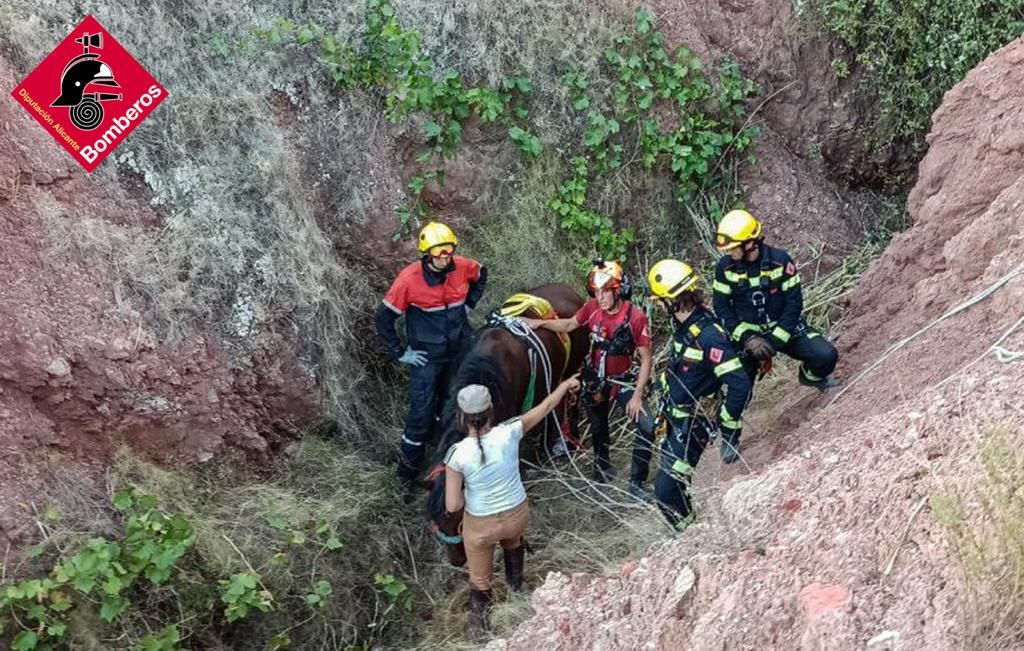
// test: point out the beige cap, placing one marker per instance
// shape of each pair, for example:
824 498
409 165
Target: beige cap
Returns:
474 399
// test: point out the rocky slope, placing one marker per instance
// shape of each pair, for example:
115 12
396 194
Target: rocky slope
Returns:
835 542
81 369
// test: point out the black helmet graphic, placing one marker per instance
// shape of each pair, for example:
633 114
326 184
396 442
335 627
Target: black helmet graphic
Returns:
81 72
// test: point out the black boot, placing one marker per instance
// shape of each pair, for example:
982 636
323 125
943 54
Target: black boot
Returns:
476 629
730 446
821 385
514 561
604 472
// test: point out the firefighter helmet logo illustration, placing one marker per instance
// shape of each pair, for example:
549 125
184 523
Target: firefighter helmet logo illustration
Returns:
104 93
82 74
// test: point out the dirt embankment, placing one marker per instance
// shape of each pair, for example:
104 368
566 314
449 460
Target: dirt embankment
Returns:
82 370
834 544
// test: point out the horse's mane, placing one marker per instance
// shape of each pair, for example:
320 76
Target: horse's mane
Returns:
478 367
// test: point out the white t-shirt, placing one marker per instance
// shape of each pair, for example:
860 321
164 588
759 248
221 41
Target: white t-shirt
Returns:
494 486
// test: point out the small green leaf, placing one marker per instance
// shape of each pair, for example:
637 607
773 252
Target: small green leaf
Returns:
333 544
56 629
123 499
329 45
432 129
35 551
112 607
305 36
25 641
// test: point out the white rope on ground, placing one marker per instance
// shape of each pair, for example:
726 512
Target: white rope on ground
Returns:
1002 355
953 312
1005 356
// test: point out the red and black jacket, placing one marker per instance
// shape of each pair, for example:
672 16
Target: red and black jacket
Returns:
434 304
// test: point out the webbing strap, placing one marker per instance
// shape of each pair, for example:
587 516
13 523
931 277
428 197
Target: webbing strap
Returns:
531 389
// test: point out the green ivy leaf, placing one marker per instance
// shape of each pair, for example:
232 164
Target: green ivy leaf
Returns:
25 641
644 21
56 629
147 502
123 499
333 544
112 607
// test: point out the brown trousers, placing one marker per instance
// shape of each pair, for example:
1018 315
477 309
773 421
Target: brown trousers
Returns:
482 534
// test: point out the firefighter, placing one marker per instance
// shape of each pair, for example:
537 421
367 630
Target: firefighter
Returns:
435 294
617 329
760 302
701 361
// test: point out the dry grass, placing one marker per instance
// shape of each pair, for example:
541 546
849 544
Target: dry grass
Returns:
985 526
270 525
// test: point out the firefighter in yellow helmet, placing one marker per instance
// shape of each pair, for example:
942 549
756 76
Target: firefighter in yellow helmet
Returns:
757 296
618 331
701 360
434 294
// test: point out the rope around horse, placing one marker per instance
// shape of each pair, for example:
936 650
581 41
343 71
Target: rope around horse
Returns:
515 326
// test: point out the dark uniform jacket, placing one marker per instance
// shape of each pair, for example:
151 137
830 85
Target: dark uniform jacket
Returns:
759 298
701 360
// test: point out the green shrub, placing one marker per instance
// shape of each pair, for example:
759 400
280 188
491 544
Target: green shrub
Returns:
912 51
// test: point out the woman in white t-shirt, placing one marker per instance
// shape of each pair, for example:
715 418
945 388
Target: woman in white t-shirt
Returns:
482 475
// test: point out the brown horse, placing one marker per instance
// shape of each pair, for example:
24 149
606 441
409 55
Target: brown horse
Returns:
502 361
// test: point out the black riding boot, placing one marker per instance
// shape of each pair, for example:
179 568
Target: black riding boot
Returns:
514 561
476 629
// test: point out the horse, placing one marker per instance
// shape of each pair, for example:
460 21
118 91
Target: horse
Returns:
517 377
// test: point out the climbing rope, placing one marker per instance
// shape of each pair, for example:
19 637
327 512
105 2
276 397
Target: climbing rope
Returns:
515 326
951 313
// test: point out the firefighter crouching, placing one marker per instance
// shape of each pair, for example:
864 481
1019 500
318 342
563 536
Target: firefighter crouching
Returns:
701 360
758 297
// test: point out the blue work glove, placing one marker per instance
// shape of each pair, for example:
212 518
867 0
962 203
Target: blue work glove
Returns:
413 357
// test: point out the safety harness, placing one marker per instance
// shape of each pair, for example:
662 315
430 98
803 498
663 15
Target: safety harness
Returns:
620 343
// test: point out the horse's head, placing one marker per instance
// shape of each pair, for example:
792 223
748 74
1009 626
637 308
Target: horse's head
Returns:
481 366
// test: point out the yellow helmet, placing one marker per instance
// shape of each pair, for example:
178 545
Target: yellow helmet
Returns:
670 278
605 274
436 234
737 227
